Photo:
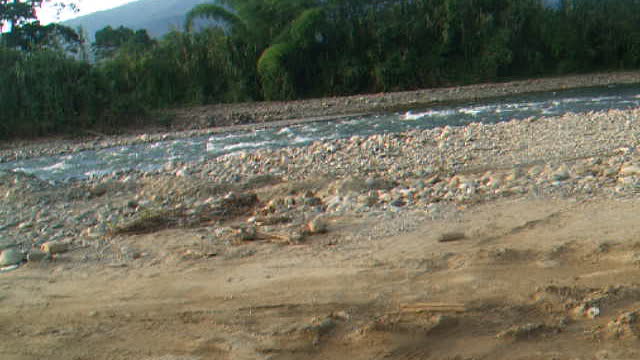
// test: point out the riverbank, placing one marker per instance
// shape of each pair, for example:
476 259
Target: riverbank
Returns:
575 154
215 119
516 240
265 112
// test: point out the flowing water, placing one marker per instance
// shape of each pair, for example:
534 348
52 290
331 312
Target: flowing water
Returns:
155 156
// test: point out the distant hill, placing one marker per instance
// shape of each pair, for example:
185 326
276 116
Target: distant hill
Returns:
157 16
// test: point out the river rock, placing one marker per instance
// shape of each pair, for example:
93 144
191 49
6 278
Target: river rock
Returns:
333 203
561 174
6 244
433 180
495 183
247 233
610 172
514 175
399 202
629 170
624 325
25 225
54 247
379 184
36 255
317 225
535 171
455 181
628 180
11 256
371 199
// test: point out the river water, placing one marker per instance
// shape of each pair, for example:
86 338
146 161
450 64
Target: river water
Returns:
155 156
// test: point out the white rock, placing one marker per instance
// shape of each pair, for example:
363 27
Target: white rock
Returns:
8 268
593 312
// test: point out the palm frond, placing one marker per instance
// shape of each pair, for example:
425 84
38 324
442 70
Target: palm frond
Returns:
215 12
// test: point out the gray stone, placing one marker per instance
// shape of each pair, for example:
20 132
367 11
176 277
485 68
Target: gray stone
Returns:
55 247
380 184
433 180
629 170
398 202
6 244
609 172
37 256
561 175
11 256
25 225
248 233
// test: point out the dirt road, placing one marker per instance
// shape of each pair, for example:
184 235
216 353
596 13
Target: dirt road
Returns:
531 279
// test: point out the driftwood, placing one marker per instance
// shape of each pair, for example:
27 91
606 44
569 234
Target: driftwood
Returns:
433 307
451 236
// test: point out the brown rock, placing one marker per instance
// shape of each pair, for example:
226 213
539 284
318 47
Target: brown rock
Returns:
53 247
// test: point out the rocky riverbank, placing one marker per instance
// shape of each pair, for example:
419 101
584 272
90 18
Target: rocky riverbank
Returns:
276 194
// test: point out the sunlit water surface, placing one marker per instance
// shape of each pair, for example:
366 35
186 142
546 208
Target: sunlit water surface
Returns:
155 156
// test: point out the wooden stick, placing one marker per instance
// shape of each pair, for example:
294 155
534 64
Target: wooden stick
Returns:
433 307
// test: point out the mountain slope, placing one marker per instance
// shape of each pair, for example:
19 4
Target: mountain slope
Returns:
157 16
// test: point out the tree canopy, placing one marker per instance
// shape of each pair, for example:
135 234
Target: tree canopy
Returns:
109 40
289 49
23 30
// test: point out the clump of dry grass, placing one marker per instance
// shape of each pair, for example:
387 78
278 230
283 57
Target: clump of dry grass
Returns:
149 221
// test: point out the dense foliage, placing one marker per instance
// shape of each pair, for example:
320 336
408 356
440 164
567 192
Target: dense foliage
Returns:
285 49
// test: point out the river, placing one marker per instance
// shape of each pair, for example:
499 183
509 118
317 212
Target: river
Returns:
156 156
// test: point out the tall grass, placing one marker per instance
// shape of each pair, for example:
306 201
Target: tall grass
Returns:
43 92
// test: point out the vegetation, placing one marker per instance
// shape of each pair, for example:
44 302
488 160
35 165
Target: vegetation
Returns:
237 50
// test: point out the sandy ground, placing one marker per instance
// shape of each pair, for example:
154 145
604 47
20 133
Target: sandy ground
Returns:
533 279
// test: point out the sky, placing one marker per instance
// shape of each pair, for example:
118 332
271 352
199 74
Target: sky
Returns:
48 14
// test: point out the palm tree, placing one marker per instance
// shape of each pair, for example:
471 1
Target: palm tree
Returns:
268 31
261 22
